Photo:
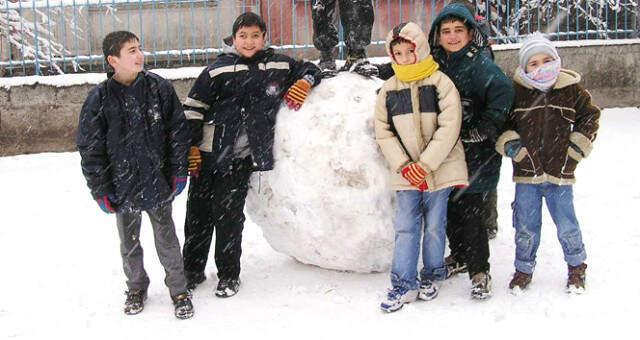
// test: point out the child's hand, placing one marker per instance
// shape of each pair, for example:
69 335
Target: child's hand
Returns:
416 175
195 161
105 204
178 183
297 94
512 148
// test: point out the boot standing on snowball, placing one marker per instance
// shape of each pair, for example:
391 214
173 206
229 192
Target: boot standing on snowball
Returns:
232 109
133 140
551 129
417 126
356 17
487 96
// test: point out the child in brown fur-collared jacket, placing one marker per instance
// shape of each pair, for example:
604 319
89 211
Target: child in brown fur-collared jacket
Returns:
552 127
417 125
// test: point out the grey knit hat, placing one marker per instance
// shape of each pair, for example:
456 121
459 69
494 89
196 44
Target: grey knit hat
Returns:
534 44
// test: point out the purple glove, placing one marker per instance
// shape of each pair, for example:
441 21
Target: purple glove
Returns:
178 184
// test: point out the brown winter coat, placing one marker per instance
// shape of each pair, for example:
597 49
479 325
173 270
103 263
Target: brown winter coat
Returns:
547 124
426 116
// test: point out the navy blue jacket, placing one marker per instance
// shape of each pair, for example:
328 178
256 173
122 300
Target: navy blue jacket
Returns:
132 141
234 92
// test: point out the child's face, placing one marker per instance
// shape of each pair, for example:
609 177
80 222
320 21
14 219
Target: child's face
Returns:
537 61
454 35
131 59
404 53
249 40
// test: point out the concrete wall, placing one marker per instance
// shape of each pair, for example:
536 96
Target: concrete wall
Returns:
41 118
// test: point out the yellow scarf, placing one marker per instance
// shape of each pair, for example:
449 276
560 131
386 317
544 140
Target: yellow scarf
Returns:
417 71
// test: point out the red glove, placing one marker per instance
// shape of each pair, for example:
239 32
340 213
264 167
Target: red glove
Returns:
297 94
195 161
416 175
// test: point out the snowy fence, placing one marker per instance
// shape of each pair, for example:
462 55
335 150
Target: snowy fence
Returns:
46 37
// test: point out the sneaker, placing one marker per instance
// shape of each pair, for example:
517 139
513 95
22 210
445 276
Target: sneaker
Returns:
134 303
327 65
577 279
481 286
227 288
194 279
492 233
361 66
183 306
428 290
397 297
519 282
454 267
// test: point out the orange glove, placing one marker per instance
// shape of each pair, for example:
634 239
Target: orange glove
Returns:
416 175
297 93
195 161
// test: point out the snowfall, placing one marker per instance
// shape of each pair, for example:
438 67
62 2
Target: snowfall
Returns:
62 272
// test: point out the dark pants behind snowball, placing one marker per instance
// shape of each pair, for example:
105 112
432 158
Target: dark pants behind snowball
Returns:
466 231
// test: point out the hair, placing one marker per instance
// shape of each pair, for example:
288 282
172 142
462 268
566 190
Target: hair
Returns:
397 41
114 41
248 19
454 18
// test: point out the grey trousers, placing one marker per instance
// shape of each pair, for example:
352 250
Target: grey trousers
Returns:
167 246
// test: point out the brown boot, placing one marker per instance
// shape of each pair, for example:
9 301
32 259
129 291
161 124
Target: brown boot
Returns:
520 281
577 279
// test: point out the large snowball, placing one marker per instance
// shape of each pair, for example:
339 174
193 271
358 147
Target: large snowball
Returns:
328 201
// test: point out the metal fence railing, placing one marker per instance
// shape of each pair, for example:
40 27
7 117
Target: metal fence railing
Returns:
64 36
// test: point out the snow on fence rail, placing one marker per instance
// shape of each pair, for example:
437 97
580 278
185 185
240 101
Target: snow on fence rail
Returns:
45 37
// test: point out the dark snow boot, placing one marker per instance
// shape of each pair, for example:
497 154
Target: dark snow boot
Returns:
227 288
327 64
134 303
519 282
183 306
481 286
454 267
576 283
361 66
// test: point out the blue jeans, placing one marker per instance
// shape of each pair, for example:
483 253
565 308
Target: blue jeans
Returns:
416 210
527 219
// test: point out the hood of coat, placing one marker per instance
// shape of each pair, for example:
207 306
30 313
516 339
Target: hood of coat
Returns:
462 12
413 33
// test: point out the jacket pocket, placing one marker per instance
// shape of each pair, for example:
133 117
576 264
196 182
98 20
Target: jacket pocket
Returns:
570 163
523 161
207 137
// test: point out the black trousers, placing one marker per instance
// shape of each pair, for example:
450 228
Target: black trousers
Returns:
466 231
216 203
491 217
356 17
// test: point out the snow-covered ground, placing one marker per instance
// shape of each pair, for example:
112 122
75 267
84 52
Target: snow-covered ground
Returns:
62 277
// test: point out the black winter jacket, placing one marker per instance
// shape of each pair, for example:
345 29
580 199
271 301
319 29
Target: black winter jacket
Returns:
234 92
132 141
